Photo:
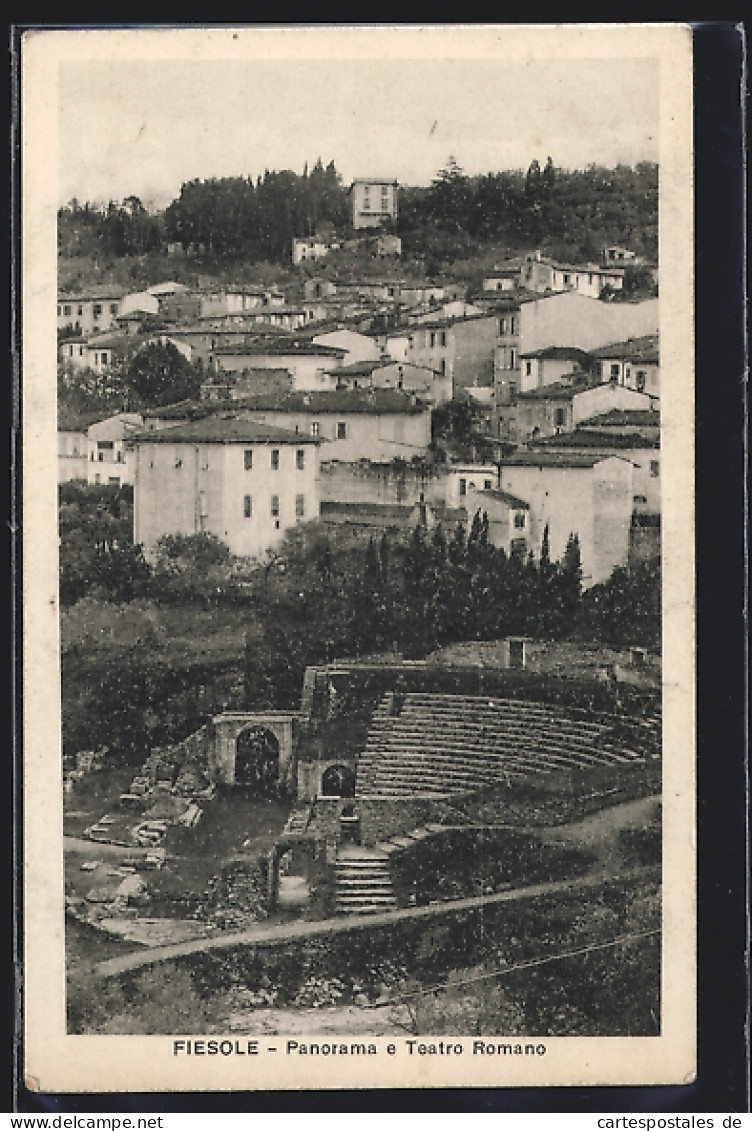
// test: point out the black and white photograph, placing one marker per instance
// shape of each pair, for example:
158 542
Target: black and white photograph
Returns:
358 405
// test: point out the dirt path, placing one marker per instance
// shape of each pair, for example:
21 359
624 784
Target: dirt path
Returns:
599 832
83 847
281 935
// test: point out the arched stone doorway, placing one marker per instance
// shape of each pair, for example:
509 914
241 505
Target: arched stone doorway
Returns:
338 781
257 760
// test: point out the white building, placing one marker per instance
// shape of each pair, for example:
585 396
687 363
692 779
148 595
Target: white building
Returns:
244 482
109 460
373 200
575 493
541 274
89 313
306 248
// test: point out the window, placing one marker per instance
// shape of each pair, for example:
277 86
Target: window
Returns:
247 506
502 325
275 506
487 484
315 428
442 338
519 520
106 445
97 478
655 468
640 380
567 280
299 506
248 459
463 486
113 308
614 370
433 339
275 459
528 368
114 480
119 457
513 358
341 430
97 309
559 417
512 325
442 366
66 310
80 311
300 459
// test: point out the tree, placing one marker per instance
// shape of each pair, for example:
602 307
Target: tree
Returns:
626 609
192 568
449 196
548 179
159 374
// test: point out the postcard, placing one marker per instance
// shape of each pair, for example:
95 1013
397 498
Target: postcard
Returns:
358 579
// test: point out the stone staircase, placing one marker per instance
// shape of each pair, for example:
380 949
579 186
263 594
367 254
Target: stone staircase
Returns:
363 882
298 820
363 876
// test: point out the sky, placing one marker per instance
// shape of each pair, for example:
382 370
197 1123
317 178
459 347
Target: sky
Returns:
142 127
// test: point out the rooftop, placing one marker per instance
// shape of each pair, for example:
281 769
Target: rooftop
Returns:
625 418
443 323
286 346
181 410
557 390
591 268
595 439
555 459
374 181
342 401
558 353
104 292
222 430
634 349
505 497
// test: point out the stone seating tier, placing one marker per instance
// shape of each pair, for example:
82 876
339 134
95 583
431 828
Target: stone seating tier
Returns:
448 744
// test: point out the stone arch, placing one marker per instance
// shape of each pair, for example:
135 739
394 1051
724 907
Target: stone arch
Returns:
338 780
257 759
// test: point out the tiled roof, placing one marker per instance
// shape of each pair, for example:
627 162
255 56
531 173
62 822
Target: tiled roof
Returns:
105 292
581 268
370 401
595 439
222 430
558 353
181 410
634 349
557 391
505 497
554 459
357 369
625 418
307 349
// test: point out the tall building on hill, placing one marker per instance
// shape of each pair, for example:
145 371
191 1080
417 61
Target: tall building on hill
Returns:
373 200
